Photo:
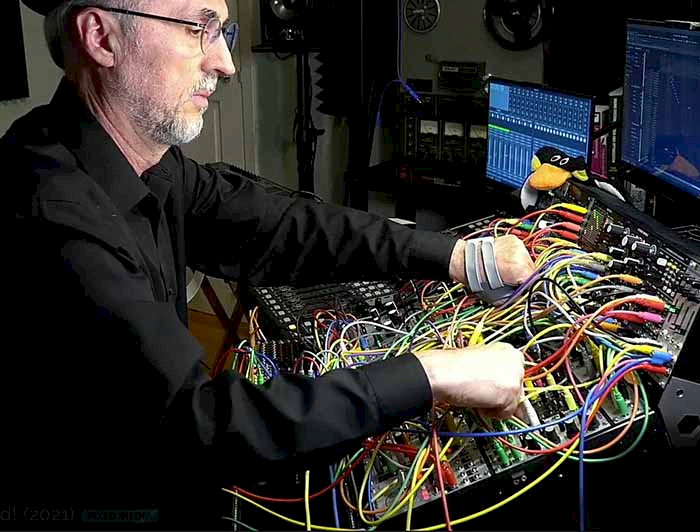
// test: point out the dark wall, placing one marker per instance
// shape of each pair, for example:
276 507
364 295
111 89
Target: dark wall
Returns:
15 84
584 51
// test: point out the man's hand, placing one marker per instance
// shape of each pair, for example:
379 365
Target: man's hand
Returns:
486 377
512 258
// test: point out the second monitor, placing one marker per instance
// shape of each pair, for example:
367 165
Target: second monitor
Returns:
524 117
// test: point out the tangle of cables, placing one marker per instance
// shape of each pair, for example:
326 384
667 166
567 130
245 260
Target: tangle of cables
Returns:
586 333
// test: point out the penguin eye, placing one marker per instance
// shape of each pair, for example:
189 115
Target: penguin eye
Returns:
555 158
563 161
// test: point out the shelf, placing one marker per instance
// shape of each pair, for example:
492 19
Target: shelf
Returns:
283 48
442 177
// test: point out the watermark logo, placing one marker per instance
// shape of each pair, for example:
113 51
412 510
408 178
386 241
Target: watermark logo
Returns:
120 516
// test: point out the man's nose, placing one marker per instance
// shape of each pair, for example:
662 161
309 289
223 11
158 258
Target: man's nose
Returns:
220 60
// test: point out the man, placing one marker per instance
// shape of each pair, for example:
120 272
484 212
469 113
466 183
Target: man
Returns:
107 405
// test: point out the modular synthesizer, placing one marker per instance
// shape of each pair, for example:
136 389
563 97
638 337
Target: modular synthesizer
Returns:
608 325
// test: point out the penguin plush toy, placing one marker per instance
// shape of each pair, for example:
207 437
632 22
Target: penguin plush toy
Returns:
551 168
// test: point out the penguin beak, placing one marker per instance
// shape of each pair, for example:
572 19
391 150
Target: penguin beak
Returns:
548 177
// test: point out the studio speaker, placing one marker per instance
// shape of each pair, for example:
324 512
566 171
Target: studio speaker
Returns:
516 24
293 21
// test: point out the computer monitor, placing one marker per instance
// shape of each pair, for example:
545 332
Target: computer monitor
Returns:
661 102
524 117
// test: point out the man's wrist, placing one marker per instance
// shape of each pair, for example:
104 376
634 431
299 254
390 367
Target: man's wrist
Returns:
426 361
457 262
402 387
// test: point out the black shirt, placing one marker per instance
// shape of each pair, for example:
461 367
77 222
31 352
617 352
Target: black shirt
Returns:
106 399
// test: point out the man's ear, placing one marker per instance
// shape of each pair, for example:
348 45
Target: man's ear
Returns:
97 33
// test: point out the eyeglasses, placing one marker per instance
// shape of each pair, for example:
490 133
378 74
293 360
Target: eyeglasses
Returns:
211 31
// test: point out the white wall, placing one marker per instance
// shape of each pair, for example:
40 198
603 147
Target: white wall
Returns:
271 89
43 74
462 36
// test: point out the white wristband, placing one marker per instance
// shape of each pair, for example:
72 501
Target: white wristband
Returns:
481 270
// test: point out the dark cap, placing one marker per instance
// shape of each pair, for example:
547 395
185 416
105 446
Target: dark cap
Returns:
43 7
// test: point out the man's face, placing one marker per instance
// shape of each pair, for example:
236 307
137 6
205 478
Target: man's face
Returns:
165 79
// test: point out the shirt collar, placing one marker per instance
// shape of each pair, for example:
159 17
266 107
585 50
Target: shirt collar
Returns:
159 179
99 155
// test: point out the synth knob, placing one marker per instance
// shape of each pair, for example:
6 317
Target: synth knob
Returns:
616 253
629 240
616 264
571 428
644 248
615 229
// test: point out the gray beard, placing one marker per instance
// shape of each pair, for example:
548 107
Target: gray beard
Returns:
167 128
162 124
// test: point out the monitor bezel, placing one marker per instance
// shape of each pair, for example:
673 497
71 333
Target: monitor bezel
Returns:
677 24
540 86
632 172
